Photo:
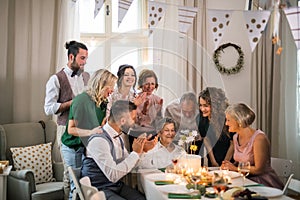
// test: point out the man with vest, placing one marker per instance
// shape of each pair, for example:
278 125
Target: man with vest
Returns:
107 159
61 88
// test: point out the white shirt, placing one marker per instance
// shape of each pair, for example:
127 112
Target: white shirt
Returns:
99 149
53 87
160 156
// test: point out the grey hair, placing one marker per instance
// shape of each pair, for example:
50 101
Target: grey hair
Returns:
189 96
164 121
242 113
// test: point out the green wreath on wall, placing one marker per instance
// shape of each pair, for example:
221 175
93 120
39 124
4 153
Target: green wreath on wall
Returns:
231 70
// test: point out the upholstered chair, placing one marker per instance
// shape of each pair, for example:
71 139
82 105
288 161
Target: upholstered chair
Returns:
26 183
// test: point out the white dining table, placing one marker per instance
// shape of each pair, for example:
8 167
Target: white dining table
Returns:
154 192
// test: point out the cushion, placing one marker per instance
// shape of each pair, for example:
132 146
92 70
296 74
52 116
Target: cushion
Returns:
36 158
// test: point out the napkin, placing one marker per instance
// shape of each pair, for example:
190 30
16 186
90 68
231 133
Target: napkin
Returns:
183 196
254 185
162 169
163 182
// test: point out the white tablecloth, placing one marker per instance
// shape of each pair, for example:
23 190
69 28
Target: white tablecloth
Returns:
152 191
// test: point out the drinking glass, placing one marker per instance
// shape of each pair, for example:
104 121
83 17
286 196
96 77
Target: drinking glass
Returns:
175 161
170 169
194 177
244 170
219 183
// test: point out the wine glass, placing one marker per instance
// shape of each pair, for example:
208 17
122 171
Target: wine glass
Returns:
175 161
195 177
170 169
244 170
219 183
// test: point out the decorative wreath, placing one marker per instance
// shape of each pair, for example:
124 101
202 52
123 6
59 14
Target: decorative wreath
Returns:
221 68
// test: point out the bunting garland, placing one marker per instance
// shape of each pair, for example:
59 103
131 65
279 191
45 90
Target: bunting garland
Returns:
98 6
155 13
218 21
124 6
256 22
186 16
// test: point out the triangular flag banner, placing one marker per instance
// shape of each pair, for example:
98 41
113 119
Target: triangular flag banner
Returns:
255 23
98 6
186 17
293 17
124 5
218 21
155 12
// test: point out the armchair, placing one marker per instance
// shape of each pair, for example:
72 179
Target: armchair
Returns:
21 184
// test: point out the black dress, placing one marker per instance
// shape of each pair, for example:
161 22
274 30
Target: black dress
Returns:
219 142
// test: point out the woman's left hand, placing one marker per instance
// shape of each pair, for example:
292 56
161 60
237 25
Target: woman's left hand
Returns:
228 165
97 130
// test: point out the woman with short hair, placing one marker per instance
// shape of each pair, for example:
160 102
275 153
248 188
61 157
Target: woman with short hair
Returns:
250 145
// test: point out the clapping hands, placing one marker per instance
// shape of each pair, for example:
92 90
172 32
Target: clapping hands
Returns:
143 143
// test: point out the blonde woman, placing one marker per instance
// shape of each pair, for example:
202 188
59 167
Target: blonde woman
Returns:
87 112
251 145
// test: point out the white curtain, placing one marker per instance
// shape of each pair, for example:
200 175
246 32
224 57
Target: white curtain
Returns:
32 38
274 87
288 137
68 29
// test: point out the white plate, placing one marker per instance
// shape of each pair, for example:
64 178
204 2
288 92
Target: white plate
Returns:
213 168
232 174
177 189
161 176
266 191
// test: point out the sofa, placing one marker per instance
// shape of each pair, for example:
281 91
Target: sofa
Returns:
22 183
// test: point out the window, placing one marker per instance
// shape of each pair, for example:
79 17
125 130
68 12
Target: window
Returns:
110 43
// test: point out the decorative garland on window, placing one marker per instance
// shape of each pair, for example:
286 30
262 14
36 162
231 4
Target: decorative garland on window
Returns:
221 68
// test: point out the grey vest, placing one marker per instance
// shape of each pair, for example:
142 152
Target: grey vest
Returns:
66 93
90 168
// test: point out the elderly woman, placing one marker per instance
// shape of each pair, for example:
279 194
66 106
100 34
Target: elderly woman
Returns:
149 105
250 145
165 150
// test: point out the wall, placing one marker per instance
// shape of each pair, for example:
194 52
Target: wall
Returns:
236 86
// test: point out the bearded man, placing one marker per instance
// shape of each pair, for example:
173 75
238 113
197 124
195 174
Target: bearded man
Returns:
61 88
107 159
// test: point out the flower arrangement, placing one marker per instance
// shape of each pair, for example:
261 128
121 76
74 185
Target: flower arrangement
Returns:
187 140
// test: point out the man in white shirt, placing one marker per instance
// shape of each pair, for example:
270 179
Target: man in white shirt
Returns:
107 159
61 88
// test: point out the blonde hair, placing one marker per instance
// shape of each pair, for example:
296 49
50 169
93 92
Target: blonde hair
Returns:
98 84
242 113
